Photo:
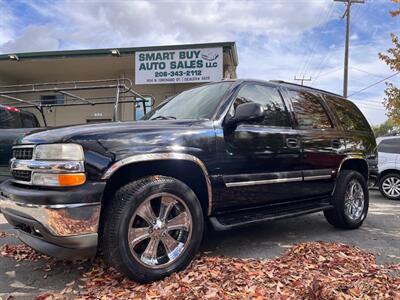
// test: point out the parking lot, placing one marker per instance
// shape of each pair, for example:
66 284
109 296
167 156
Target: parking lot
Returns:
380 234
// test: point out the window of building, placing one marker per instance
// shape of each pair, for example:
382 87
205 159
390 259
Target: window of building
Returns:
308 110
390 146
269 97
349 115
52 99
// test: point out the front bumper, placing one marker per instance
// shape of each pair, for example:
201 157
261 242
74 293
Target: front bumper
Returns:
67 231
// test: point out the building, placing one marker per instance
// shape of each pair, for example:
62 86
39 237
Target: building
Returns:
63 85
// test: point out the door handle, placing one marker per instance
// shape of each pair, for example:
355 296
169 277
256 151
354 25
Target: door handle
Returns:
336 144
292 142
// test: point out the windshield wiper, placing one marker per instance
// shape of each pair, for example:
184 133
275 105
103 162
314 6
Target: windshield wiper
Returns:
163 118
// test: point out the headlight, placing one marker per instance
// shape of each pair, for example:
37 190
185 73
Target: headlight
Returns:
72 152
47 179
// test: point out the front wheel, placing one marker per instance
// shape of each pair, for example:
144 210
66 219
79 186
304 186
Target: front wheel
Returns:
389 186
153 228
350 201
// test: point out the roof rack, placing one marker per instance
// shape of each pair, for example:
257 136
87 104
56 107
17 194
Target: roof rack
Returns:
122 86
305 87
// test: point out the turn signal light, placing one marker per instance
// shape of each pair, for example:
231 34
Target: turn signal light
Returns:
71 179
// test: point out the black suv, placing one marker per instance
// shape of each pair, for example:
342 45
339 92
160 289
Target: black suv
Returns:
14 123
230 154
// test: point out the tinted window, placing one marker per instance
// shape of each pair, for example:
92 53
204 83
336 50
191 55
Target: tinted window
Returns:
197 103
29 121
390 146
349 116
309 111
269 98
9 119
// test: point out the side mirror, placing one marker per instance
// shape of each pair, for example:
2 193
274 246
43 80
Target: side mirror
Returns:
250 111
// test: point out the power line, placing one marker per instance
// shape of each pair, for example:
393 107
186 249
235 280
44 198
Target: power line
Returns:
372 108
373 84
319 69
370 102
371 105
326 73
366 72
301 71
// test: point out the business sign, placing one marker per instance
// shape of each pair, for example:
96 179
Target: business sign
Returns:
178 66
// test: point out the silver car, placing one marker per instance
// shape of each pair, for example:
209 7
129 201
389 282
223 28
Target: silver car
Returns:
389 166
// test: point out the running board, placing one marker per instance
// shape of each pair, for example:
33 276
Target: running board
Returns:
262 215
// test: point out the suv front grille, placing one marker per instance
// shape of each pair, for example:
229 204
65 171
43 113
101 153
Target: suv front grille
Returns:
23 153
22 175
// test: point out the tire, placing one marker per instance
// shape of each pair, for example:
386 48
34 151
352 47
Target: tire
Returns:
147 253
387 182
342 215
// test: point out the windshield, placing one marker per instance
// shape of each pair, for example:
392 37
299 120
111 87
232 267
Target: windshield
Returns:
197 103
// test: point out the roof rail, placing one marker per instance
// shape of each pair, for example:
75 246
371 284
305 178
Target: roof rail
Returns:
305 87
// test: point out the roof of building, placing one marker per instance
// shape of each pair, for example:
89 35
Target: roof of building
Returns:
129 50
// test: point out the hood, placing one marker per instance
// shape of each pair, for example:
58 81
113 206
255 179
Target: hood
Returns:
100 130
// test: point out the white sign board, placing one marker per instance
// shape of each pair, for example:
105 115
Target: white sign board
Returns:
179 66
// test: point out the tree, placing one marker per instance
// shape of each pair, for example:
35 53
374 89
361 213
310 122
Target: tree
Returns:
392 59
383 129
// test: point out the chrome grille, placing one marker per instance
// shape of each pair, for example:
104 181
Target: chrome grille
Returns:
22 175
23 153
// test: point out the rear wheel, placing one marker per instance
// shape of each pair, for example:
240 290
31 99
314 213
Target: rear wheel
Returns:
389 186
350 201
153 228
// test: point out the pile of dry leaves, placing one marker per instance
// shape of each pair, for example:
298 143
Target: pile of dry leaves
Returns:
313 270
21 252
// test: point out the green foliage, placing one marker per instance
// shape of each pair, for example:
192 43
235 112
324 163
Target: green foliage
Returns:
392 59
383 129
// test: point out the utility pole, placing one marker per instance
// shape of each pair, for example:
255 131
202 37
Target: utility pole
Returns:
346 49
302 79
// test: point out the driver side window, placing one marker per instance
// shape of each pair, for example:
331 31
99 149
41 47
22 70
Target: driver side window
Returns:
269 97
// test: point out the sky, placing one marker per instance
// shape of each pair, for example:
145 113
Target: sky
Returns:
276 39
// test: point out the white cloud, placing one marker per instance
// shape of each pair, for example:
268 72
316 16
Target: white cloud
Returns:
274 37
7 21
354 37
34 38
121 23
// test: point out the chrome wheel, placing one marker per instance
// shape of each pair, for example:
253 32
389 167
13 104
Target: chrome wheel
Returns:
160 230
354 200
391 187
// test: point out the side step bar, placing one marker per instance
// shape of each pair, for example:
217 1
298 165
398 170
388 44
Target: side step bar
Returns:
262 215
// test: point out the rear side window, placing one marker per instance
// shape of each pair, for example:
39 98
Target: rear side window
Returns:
349 116
9 119
390 146
308 110
29 121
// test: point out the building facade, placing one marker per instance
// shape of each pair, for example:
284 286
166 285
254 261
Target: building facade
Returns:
83 86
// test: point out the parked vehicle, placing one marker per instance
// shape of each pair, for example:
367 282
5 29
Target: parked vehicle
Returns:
389 167
14 123
232 153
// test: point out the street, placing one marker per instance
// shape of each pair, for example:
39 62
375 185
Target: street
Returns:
379 234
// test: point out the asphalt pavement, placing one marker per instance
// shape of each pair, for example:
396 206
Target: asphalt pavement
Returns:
379 234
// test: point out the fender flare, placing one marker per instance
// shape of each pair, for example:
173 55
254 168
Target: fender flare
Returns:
163 156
